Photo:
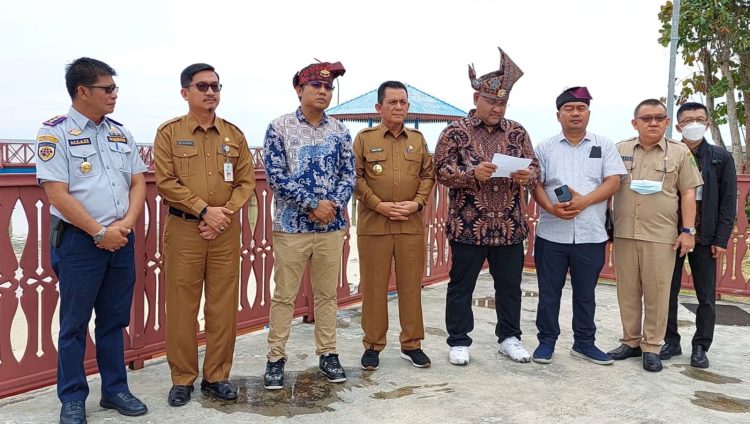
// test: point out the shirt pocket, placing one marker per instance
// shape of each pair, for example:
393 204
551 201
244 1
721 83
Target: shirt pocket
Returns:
376 164
185 160
594 170
120 153
85 161
667 170
413 163
228 153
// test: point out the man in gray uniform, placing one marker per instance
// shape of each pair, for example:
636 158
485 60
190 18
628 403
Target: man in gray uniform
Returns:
92 174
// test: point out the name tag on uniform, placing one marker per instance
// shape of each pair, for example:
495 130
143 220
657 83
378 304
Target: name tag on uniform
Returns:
184 142
376 150
228 172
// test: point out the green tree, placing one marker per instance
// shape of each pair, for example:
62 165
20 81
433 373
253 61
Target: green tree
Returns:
714 37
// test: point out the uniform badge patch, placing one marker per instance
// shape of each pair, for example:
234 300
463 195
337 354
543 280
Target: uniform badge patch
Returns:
79 141
74 132
692 161
46 151
117 139
49 138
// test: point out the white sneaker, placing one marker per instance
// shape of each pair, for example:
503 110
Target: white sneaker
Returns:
459 355
512 348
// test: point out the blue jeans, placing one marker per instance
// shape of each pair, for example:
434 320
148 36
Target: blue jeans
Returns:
92 279
553 261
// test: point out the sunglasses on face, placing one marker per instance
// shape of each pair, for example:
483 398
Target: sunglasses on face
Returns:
648 119
204 86
109 89
318 84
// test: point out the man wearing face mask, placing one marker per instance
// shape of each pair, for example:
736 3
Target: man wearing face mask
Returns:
716 209
661 181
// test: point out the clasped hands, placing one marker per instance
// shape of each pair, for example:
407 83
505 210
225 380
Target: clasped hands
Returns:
215 221
397 211
571 209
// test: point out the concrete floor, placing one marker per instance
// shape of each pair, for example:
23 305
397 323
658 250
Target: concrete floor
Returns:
491 389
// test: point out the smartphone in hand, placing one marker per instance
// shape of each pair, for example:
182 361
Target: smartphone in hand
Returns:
563 194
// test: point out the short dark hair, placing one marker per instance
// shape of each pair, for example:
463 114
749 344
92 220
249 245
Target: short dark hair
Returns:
390 84
691 106
85 71
648 102
186 77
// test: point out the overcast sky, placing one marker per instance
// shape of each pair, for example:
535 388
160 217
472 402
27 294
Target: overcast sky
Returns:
609 46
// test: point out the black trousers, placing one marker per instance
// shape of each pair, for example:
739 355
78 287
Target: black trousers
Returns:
506 266
703 268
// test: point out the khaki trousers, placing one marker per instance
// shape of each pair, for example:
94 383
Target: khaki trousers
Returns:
292 253
644 276
190 265
376 254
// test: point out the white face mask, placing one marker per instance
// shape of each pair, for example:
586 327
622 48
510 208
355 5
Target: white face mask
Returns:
694 131
646 186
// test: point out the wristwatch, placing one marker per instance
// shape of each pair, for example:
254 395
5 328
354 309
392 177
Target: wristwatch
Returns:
419 207
203 212
99 236
689 230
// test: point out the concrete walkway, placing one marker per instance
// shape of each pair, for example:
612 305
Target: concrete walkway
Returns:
491 389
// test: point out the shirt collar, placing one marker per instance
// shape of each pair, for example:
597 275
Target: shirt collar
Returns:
193 124
560 137
78 118
662 144
301 117
384 131
476 122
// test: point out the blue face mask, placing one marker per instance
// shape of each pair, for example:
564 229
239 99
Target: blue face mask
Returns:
645 186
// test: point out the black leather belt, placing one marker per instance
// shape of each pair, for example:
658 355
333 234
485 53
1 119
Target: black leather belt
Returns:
183 215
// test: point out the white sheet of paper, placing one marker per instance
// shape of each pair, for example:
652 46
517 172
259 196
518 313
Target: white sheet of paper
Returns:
507 164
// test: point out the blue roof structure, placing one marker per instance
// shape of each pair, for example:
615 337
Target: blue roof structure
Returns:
423 107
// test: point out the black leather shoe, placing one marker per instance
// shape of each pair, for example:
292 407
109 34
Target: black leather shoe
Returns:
125 403
624 352
699 359
221 389
651 362
179 395
669 350
73 412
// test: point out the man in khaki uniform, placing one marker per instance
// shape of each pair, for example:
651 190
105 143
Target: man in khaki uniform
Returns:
661 181
204 173
394 178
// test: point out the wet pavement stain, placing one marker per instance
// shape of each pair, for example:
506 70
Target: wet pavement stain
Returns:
409 390
726 314
305 392
721 402
433 331
707 376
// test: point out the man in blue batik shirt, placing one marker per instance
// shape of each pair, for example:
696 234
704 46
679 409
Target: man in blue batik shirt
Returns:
310 166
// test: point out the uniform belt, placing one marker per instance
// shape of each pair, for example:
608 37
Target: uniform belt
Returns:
183 215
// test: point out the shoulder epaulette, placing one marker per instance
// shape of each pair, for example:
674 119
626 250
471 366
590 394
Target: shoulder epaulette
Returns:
627 140
54 121
113 121
235 126
368 129
173 120
413 130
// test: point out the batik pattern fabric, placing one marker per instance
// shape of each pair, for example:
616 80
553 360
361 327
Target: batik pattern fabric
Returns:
485 213
304 165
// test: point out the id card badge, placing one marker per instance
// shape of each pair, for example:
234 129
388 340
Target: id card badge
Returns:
228 172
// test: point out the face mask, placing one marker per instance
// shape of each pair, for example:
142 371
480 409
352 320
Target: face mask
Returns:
694 131
645 186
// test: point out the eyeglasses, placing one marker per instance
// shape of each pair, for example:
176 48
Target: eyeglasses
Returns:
109 89
204 86
318 84
688 121
648 119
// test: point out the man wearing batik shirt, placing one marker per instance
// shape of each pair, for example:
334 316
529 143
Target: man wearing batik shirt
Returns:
310 167
486 220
